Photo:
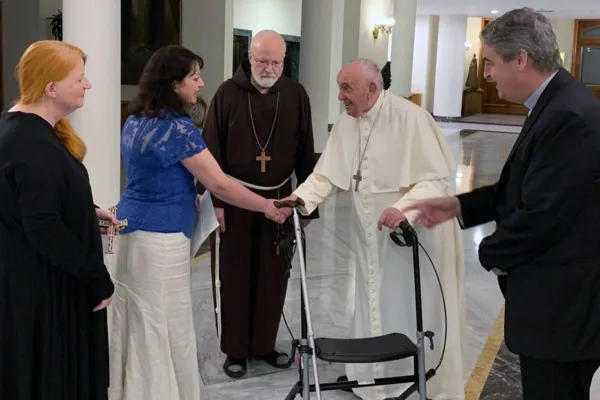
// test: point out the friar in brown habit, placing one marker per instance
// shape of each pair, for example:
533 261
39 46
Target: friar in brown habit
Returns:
259 129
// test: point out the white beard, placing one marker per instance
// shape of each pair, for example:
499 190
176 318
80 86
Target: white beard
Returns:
266 82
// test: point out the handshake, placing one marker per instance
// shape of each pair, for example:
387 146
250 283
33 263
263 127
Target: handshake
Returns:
280 210
275 210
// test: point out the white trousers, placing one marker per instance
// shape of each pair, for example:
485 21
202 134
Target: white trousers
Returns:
152 340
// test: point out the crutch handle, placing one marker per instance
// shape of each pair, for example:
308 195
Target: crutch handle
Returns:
298 204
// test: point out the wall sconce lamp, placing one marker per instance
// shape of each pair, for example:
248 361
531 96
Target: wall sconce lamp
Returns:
385 27
468 46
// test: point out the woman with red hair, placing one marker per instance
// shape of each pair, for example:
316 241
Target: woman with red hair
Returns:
54 286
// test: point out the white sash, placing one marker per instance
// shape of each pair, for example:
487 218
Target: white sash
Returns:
256 187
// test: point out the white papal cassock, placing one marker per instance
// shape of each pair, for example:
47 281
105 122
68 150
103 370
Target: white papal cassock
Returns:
406 160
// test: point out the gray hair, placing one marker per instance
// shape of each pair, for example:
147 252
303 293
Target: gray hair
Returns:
371 71
524 30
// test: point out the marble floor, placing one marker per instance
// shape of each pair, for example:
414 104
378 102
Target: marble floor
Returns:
491 371
495 119
471 127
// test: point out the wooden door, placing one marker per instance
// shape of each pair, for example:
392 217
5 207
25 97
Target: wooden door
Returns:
492 104
586 53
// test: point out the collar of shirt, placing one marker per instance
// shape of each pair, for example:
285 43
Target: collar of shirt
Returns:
535 96
376 107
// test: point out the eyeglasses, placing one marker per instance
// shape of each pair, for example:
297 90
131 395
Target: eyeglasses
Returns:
264 63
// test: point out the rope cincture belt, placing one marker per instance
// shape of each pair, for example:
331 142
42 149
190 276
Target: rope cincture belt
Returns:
257 187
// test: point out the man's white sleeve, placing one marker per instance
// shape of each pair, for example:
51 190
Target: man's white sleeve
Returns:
315 189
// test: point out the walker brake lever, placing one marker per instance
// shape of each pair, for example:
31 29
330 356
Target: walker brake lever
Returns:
429 335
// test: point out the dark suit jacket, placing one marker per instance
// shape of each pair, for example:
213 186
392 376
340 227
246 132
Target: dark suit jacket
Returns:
547 208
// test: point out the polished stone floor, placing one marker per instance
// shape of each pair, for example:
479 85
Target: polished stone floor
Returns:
495 119
480 155
481 127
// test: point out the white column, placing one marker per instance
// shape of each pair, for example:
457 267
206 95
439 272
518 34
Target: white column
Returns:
403 42
350 44
208 32
450 66
337 55
352 30
320 55
95 27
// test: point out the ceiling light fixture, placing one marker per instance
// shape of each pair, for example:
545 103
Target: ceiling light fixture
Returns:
494 11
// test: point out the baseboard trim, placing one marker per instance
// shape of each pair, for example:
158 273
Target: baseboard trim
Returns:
440 118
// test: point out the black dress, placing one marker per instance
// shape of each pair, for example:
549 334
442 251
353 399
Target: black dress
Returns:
52 275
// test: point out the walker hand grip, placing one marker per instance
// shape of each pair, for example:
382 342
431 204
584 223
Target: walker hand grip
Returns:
297 204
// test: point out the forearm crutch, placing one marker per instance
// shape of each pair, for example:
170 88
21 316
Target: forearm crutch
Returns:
307 345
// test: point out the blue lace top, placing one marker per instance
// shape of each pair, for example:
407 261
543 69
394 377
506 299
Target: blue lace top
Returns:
161 192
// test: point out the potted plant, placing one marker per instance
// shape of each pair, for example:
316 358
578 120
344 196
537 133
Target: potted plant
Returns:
56 24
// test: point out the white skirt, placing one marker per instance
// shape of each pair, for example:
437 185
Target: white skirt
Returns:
151 329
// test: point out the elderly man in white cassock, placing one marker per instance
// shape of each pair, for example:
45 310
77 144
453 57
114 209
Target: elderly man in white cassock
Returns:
390 153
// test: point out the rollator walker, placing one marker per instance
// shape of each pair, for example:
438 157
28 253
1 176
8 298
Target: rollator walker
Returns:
390 347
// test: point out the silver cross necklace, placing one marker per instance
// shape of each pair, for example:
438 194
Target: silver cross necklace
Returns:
358 176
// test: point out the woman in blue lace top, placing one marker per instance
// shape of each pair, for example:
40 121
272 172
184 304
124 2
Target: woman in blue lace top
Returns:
153 343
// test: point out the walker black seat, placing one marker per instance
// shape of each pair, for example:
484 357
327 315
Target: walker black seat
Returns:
390 347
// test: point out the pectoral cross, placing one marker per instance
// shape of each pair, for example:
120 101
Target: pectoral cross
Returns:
357 178
263 161
112 230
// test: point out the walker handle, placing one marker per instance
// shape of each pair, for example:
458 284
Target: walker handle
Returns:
297 204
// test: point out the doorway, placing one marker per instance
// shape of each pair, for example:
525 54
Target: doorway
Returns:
291 63
586 54
241 44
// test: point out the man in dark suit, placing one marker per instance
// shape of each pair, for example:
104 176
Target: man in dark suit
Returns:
546 205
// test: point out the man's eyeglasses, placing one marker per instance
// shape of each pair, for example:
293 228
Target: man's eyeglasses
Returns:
264 63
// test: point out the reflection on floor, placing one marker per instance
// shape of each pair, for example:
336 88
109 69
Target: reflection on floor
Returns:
495 119
492 371
480 127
